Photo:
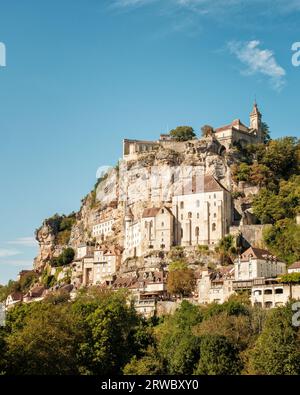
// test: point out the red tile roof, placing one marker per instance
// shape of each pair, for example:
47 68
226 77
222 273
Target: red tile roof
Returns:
295 265
257 253
150 212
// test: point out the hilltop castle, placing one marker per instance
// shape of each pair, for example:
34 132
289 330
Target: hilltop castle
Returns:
235 132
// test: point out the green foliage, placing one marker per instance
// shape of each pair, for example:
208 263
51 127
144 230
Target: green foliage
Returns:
149 364
180 280
241 172
270 206
176 253
65 258
290 278
203 249
96 334
266 132
99 333
177 265
177 345
61 226
183 133
268 164
27 280
281 157
277 350
218 357
231 307
48 280
226 249
107 324
282 239
45 345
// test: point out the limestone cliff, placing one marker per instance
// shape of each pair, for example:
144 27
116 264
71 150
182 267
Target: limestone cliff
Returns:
131 183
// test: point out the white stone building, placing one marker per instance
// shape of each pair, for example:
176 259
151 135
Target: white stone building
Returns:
203 216
237 132
257 263
132 236
102 229
157 229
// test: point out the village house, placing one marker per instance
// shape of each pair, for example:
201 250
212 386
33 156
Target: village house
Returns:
215 286
95 264
294 268
13 299
102 229
35 294
257 263
273 294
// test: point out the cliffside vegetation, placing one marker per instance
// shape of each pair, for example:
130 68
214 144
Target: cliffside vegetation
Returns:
99 333
65 258
61 226
275 168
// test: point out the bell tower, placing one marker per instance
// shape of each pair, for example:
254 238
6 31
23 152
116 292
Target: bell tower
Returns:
255 121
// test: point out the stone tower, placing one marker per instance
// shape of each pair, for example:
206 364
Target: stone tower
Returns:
255 122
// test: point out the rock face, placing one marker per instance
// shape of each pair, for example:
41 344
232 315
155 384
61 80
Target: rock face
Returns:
132 183
48 248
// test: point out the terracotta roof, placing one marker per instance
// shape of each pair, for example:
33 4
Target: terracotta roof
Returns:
295 265
222 128
16 296
150 212
212 185
234 125
36 291
258 253
123 282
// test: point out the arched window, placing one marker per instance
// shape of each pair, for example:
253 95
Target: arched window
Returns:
213 227
190 215
182 205
197 231
198 215
162 224
181 232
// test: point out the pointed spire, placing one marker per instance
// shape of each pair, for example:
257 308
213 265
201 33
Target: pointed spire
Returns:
255 110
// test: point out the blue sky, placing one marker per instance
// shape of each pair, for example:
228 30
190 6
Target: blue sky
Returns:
81 75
